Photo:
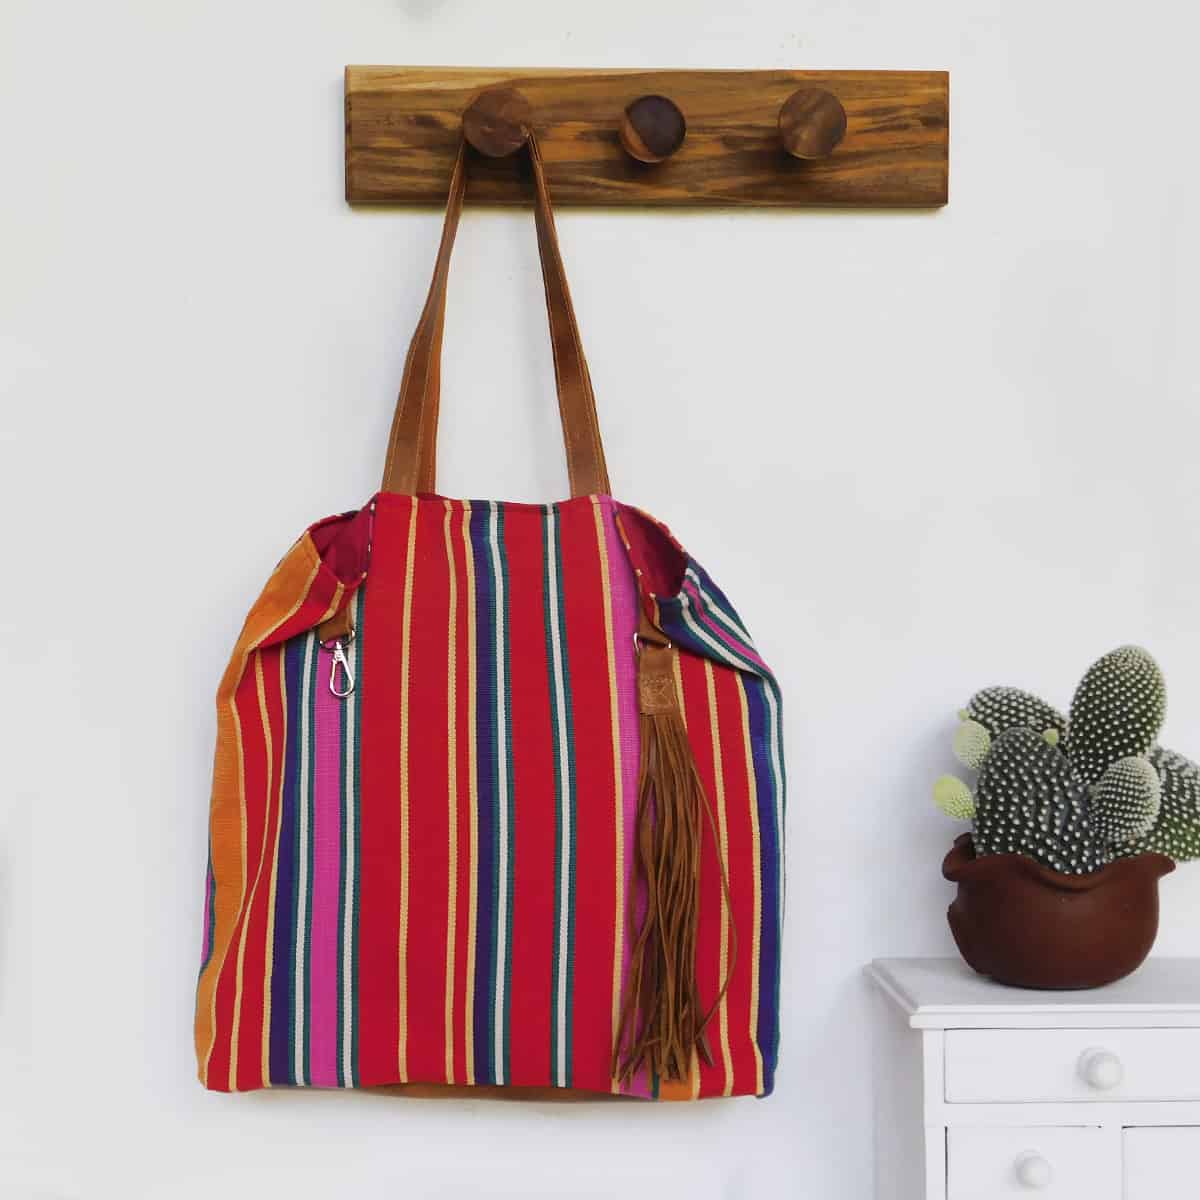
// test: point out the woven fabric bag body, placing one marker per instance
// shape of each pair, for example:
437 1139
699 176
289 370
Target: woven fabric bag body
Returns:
486 775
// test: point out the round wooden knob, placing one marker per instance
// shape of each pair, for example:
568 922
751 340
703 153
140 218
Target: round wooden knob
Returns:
497 121
652 128
1101 1070
1033 1172
811 122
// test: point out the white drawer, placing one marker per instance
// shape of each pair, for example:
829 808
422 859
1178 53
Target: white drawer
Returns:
1160 1164
1030 1065
1057 1164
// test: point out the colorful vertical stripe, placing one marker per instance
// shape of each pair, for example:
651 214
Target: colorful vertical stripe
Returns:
428 880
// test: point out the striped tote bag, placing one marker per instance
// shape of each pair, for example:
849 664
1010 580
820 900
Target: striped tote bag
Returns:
498 795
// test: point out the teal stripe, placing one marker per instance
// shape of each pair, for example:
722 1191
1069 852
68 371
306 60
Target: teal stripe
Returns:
548 600
563 738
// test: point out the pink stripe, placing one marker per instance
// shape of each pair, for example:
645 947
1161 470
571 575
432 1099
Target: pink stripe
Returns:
700 610
326 880
625 616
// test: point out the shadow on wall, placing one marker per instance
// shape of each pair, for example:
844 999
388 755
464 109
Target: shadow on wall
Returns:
420 10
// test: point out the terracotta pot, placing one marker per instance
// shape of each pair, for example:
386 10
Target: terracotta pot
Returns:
1028 926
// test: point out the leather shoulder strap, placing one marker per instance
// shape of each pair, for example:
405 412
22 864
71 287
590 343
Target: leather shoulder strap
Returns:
412 447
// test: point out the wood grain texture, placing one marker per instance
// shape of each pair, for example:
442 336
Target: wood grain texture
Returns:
403 126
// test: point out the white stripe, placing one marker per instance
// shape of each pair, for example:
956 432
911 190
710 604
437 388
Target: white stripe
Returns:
564 861
502 795
776 731
302 855
728 655
716 610
348 867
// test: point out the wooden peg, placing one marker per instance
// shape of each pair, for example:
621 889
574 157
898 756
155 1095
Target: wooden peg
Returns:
497 121
652 129
811 123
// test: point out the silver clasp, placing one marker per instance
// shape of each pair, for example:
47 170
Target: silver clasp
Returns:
341 662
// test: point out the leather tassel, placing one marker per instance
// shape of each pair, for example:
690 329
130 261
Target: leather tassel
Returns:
661 1020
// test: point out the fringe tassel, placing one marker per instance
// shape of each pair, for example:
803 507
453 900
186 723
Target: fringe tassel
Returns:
661 1020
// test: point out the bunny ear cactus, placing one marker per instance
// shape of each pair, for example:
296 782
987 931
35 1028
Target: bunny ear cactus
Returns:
1075 794
1118 711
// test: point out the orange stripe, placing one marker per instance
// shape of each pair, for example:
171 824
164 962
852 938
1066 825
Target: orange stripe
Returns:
262 854
292 578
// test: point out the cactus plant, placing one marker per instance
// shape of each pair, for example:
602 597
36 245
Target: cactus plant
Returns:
1074 794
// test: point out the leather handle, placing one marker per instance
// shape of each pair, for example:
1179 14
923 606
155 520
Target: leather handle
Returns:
412 447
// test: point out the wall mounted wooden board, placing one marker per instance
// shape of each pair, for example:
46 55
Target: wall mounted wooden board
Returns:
403 126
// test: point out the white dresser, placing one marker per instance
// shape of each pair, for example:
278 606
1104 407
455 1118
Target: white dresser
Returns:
985 1092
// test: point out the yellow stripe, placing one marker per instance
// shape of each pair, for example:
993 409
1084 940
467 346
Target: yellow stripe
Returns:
302 553
618 778
718 775
452 791
262 855
269 956
402 949
756 935
473 792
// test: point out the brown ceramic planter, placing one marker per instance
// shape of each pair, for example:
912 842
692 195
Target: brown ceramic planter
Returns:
1028 926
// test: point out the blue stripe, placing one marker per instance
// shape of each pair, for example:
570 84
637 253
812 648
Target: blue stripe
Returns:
769 859
487 903
283 989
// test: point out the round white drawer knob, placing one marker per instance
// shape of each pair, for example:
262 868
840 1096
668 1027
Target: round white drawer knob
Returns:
1101 1070
1034 1172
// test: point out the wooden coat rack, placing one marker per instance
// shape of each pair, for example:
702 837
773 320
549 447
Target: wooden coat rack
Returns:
745 138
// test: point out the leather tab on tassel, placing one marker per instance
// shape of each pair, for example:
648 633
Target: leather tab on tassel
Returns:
661 1027
656 679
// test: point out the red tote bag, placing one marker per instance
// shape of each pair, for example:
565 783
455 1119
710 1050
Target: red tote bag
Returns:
498 795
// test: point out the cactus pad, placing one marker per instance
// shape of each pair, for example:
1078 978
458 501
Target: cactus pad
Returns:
1031 801
1126 801
1001 708
971 744
1176 833
954 798
1117 712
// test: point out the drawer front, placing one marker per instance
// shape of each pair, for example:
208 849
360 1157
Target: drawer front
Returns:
1160 1164
1057 1164
1030 1065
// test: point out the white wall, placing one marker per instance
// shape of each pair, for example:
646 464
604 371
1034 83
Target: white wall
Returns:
923 452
